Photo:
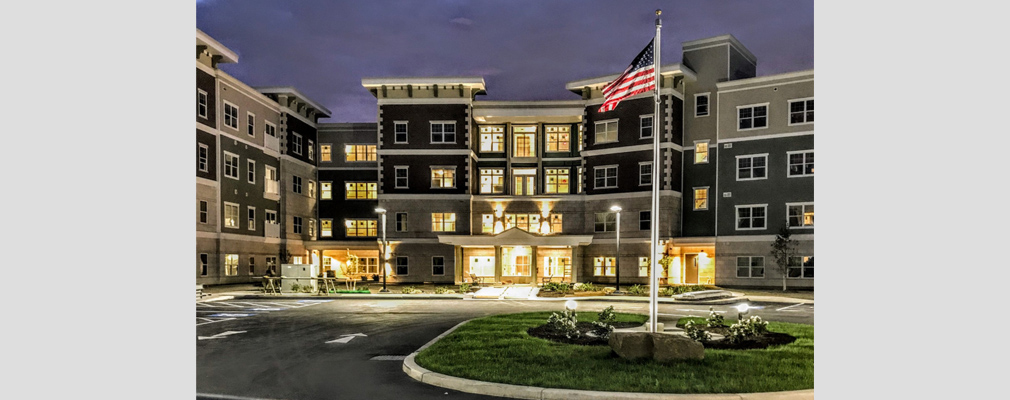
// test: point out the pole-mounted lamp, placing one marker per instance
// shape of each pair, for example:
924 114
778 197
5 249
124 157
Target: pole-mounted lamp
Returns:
382 212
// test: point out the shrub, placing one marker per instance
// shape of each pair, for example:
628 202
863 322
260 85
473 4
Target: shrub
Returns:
585 287
696 333
408 290
464 288
564 323
375 277
603 325
607 316
602 330
296 287
557 287
747 328
637 290
441 290
668 291
715 320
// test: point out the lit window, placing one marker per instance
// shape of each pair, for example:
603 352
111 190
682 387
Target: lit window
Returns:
443 222
516 261
400 179
524 181
360 227
360 190
230 115
400 132
312 228
230 165
524 140
750 217
492 180
251 171
368 265
645 126
202 156
752 117
443 132
251 211
751 167
270 179
201 103
579 184
701 198
643 266
401 265
401 222
606 131
645 173
326 228
312 150
231 264
443 177
606 177
557 180
296 143
312 189
231 215
296 184
801 163
527 222
296 225
604 266
556 266
606 222
325 152
487 223
701 152
269 129
556 223
800 267
801 215
559 138
801 112
438 266
701 105
204 213
492 139
251 124
359 152
750 267
644 220
325 190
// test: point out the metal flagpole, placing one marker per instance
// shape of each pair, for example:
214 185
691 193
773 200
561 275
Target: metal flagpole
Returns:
656 178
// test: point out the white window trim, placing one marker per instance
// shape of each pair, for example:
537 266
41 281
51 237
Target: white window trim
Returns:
406 132
266 132
640 219
312 228
253 209
321 152
614 166
736 217
568 174
323 233
750 268
365 145
238 161
790 153
206 103
224 112
547 143
768 115
789 112
603 267
503 138
652 129
247 115
481 175
709 110
708 144
310 146
801 267
297 225
395 222
751 156
204 266
433 266
640 164
454 176
406 177
300 142
312 189
206 161
455 133
708 199
396 265
301 185
250 169
200 213
366 189
806 203
267 220
321 191
596 131
454 221
238 215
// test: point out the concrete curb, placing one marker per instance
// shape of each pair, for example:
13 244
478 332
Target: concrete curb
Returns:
424 375
616 299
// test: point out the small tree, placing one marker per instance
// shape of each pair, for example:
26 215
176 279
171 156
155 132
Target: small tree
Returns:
783 249
348 268
285 255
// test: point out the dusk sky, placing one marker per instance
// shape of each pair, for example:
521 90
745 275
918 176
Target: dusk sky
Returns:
525 50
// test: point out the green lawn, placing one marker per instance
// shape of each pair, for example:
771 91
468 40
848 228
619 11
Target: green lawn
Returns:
497 349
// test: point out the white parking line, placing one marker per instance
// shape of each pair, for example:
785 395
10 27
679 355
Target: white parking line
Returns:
213 321
704 311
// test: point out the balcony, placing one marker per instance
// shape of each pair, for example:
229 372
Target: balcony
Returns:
272 190
272 143
272 230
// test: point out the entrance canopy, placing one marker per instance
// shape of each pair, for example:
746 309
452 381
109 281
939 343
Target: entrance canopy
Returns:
515 237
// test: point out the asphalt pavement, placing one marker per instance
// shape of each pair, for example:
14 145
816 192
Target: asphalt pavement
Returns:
354 348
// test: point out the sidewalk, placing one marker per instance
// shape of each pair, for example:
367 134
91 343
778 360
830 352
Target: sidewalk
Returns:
251 291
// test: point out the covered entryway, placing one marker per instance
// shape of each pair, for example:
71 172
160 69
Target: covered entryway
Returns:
515 257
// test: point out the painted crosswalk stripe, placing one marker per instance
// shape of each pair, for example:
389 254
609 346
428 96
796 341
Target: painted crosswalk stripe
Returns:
787 307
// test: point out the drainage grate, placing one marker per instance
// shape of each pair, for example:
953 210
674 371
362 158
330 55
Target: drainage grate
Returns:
387 358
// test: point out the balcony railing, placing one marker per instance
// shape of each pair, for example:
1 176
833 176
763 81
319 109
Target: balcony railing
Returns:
272 230
272 143
272 190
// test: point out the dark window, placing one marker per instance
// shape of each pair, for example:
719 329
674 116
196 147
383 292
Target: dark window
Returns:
400 132
750 267
401 265
297 222
203 264
646 127
701 105
203 212
401 222
443 133
606 222
801 112
296 184
644 221
438 266
752 117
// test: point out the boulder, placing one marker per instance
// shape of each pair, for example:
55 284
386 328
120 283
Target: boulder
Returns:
676 347
631 345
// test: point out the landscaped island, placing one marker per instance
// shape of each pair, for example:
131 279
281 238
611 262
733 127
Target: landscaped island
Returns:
500 349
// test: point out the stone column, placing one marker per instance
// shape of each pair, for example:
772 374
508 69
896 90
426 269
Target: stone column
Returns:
533 266
497 264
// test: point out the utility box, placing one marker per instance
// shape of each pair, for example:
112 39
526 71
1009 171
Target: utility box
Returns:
302 274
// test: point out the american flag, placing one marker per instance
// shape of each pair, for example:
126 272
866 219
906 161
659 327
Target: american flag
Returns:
640 77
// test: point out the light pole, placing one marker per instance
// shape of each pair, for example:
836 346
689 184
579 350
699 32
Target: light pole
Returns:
382 212
617 259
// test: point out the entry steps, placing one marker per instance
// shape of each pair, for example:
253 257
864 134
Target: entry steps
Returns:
507 292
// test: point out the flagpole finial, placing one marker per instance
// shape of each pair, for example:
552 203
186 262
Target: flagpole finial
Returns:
658 12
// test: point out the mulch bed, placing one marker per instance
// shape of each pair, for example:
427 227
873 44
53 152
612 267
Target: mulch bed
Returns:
545 331
573 294
764 341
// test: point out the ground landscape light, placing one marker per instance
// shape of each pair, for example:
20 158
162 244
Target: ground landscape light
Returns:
743 308
570 305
